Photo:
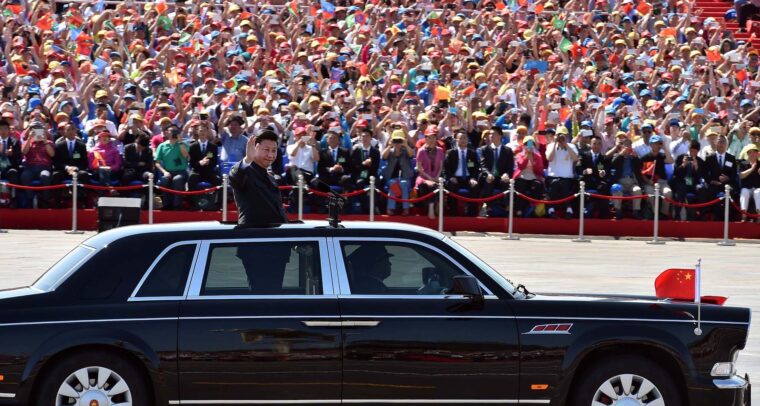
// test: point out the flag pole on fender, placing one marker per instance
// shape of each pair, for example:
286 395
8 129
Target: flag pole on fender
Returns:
698 296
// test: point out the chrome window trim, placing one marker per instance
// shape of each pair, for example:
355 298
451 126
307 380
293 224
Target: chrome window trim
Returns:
7 395
200 270
74 268
362 401
133 297
345 289
420 297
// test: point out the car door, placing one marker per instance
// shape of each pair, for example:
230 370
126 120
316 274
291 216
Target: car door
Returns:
406 340
260 324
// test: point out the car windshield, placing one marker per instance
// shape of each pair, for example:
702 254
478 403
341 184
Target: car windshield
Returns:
497 277
63 268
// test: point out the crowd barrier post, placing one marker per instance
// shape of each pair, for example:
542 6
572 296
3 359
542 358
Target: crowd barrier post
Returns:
300 197
371 198
3 184
510 221
656 233
441 191
726 202
582 215
225 185
74 203
150 198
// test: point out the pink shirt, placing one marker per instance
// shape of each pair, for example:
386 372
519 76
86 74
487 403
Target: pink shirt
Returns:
105 155
430 167
37 155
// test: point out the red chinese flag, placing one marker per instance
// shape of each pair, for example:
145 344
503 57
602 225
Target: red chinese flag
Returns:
741 75
676 284
644 8
45 23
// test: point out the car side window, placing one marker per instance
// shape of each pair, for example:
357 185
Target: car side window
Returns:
169 276
263 268
396 268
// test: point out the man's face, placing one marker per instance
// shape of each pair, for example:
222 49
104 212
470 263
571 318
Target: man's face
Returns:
656 147
721 145
462 140
596 145
495 138
332 140
265 152
4 131
685 134
234 127
366 137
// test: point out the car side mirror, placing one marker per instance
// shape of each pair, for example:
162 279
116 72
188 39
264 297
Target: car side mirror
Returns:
467 285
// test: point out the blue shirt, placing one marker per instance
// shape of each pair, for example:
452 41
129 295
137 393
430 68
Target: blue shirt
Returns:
233 149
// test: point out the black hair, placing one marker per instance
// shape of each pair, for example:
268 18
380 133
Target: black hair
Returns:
266 135
4 123
695 145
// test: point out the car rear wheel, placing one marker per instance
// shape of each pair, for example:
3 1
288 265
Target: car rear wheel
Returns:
93 379
626 381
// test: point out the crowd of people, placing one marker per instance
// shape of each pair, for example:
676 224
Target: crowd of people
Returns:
622 95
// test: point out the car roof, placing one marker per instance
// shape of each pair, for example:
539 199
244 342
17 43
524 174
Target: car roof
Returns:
103 239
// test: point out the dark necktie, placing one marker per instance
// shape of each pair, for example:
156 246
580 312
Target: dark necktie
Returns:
463 161
5 146
203 149
720 160
496 161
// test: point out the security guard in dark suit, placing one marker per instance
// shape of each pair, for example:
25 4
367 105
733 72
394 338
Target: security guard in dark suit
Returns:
256 194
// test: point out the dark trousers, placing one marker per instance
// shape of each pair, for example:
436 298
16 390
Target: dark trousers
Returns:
532 188
83 177
455 184
744 13
560 188
487 190
602 206
32 173
176 181
195 178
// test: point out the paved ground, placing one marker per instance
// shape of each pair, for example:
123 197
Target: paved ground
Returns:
542 264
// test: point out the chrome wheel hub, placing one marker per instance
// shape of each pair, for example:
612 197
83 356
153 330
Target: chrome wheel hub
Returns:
627 390
94 386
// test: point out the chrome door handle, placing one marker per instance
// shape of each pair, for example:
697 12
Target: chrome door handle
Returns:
360 323
322 323
347 323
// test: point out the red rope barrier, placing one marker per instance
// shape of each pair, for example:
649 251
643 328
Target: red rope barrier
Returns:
691 205
477 200
744 213
345 195
400 200
188 193
597 196
538 201
285 188
117 188
40 188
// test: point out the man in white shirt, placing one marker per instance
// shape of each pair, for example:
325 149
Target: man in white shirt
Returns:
680 146
303 154
560 180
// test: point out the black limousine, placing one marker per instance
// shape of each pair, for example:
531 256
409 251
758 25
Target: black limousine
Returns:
364 313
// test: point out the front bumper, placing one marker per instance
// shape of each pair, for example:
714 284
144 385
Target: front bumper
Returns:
731 391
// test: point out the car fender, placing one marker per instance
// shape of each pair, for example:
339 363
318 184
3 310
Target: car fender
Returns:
103 335
657 337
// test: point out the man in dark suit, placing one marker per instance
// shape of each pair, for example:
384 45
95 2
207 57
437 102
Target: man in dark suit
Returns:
256 194
365 162
462 169
204 157
594 169
497 163
70 156
688 181
721 170
10 154
138 160
334 162
627 178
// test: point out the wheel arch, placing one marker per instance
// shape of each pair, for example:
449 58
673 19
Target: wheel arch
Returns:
670 354
116 342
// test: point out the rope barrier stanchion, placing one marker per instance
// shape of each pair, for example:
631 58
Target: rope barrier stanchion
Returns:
74 203
582 217
150 198
441 191
656 233
726 200
371 198
225 186
4 186
510 221
300 197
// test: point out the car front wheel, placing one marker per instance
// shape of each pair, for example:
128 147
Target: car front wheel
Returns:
93 379
626 381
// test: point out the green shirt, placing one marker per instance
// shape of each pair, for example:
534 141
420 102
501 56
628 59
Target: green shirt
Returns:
170 156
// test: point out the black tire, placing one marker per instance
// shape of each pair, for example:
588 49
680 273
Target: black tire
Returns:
595 375
47 389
